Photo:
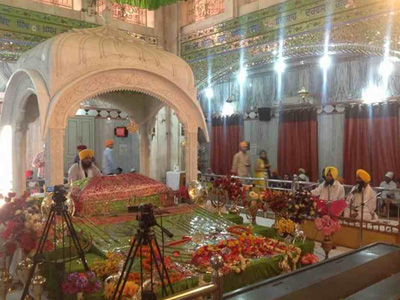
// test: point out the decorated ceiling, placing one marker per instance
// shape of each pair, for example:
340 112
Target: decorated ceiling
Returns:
354 26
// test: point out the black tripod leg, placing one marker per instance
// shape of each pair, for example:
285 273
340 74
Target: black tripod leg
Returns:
67 218
164 268
127 268
39 251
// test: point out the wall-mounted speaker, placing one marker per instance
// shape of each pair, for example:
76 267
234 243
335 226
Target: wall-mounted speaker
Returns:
264 114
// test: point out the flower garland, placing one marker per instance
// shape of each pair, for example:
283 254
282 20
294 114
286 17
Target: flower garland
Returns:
81 283
327 225
110 266
237 252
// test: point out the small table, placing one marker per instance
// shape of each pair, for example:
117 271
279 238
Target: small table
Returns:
174 180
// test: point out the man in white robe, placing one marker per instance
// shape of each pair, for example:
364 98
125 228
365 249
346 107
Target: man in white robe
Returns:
330 189
83 169
361 199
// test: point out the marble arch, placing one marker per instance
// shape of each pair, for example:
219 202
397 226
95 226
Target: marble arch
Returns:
71 67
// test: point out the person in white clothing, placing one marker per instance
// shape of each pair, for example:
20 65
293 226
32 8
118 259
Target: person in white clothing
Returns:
108 159
361 199
302 175
331 189
387 196
84 168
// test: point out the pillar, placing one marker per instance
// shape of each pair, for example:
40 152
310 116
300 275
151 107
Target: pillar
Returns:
191 155
19 157
54 156
144 142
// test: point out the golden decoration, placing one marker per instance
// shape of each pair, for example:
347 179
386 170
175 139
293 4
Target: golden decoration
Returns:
132 126
197 192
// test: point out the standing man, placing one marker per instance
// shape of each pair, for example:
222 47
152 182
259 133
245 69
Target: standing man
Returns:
84 168
362 198
38 163
241 161
108 159
387 196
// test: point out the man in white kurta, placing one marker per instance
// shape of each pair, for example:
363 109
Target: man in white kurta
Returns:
83 169
330 189
361 199
387 196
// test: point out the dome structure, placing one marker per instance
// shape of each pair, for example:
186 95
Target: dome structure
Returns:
81 64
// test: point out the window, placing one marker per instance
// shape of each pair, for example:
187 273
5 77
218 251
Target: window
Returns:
197 10
125 12
61 3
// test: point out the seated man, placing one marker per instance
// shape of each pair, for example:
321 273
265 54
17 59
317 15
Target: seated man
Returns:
85 168
79 149
362 198
302 175
387 196
330 192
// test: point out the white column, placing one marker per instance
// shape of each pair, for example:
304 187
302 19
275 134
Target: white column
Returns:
19 153
191 155
144 143
54 156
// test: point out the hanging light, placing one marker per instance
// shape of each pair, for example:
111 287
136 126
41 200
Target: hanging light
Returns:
280 66
386 68
325 62
228 109
242 75
209 93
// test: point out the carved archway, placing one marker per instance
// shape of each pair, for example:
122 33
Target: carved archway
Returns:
65 104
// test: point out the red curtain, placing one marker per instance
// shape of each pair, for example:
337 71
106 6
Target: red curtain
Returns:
371 141
225 139
298 142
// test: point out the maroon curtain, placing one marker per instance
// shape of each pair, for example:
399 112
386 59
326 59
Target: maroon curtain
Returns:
298 142
356 148
225 139
371 141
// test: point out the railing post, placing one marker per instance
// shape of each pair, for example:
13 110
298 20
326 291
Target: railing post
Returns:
217 262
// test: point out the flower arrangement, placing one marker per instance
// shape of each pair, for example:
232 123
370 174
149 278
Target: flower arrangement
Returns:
301 205
130 290
309 259
327 225
237 252
277 201
81 283
22 224
107 267
183 193
285 226
231 187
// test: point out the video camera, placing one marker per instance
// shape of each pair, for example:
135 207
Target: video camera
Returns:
59 193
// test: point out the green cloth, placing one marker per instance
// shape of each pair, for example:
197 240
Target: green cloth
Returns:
149 4
237 219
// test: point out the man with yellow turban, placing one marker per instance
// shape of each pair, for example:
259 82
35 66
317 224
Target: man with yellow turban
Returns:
361 199
330 189
108 158
84 168
241 161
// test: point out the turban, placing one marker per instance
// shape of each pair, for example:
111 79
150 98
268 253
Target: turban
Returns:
363 175
87 153
81 147
109 143
301 170
333 170
390 175
243 144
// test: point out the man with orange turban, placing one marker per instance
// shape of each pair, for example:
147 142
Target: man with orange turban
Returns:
241 161
84 168
330 193
362 199
108 158
330 189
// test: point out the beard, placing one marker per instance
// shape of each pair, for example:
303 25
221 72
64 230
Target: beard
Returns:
86 165
361 185
329 182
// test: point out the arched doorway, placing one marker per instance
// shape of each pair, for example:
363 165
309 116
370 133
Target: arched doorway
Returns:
83 64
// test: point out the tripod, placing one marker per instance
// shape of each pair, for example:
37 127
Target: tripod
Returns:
145 235
59 208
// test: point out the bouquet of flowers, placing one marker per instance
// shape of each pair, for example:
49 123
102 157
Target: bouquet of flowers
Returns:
182 193
22 224
309 259
277 201
81 283
327 225
301 205
285 226
109 266
231 187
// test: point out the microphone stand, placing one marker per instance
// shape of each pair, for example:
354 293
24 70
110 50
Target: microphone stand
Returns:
362 217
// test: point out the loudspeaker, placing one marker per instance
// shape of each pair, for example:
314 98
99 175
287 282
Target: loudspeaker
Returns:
264 114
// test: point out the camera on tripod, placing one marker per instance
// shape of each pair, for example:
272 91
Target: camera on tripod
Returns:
59 193
146 216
